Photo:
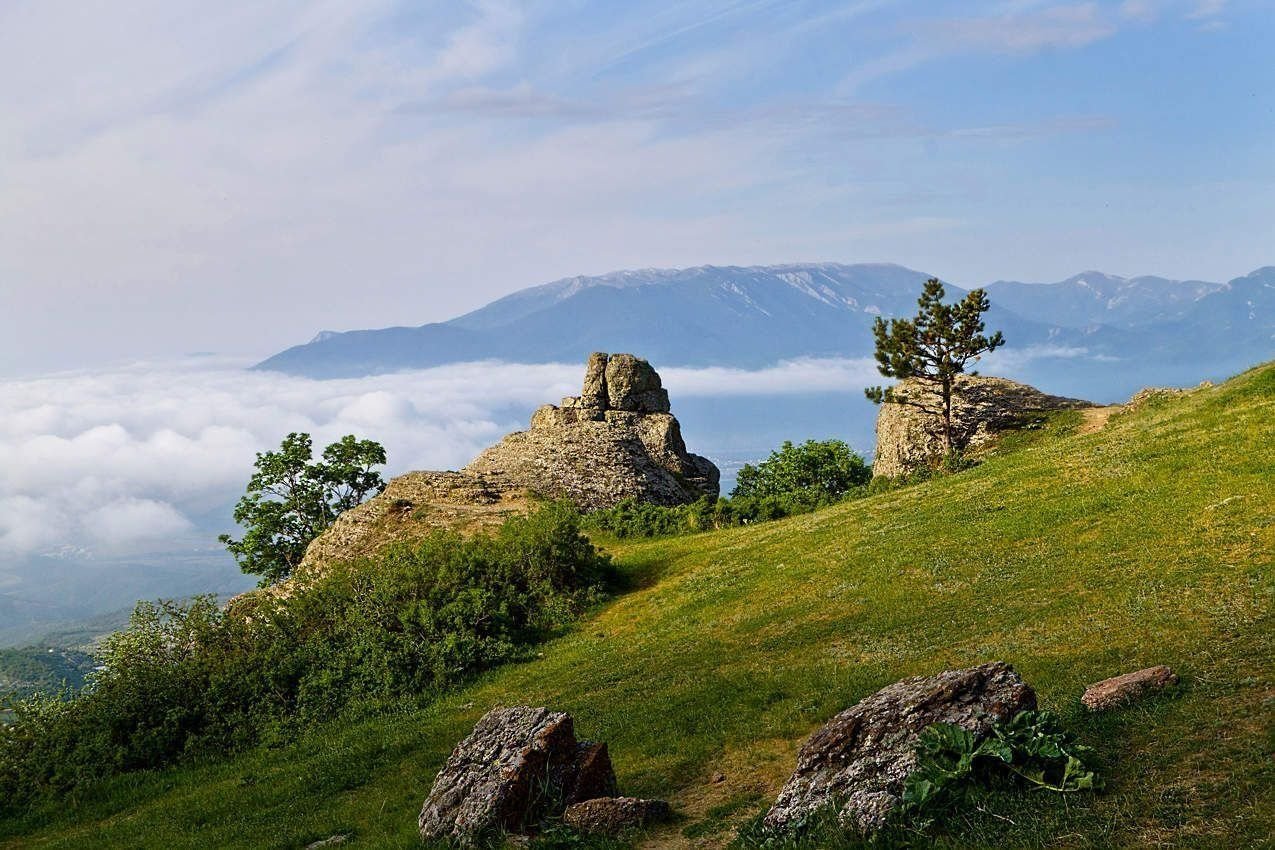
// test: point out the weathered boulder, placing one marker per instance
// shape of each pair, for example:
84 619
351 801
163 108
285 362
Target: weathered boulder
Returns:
1118 690
632 384
908 438
857 763
516 767
614 815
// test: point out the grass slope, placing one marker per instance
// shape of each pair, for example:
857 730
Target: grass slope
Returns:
1074 557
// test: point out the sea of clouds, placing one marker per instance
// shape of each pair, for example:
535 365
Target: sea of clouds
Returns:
151 456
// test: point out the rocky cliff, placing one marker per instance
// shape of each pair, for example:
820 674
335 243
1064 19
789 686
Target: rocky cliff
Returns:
616 440
982 407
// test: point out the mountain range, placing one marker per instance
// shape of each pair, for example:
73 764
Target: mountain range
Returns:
1125 332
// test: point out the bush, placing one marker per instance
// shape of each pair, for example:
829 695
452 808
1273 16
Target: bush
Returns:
826 470
190 679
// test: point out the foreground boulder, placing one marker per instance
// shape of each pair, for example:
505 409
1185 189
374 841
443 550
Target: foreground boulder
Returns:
1118 690
857 763
982 407
617 440
614 815
518 766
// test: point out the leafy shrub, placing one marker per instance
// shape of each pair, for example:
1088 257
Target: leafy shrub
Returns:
1032 747
190 679
826 469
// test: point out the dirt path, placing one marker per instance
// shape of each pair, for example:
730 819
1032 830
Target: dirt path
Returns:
1095 418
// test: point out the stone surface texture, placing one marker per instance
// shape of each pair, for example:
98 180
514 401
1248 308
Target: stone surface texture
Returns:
858 761
1119 690
614 815
982 407
515 768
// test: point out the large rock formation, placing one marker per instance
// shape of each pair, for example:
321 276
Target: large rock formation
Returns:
616 440
858 761
518 766
982 407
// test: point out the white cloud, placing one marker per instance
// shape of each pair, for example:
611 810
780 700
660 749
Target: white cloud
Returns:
1204 9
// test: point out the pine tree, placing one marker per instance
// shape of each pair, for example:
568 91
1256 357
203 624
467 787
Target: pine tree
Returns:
931 350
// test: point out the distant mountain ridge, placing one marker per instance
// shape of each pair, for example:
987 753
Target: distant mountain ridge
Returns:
755 316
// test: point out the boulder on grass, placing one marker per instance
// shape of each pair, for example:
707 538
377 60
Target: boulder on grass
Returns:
857 763
614 815
1118 690
518 766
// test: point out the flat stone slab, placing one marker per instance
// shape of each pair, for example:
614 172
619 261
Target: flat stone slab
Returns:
614 815
1119 690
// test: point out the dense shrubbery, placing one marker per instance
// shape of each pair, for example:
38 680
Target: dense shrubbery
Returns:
190 679
793 480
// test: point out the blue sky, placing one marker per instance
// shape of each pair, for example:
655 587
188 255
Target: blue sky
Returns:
179 176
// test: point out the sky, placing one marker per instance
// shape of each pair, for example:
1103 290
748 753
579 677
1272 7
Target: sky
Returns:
232 177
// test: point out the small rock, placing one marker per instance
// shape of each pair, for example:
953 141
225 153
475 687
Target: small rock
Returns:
718 778
332 841
613 815
859 760
1117 690
590 774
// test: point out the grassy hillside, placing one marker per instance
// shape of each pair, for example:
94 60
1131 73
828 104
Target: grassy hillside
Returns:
1074 557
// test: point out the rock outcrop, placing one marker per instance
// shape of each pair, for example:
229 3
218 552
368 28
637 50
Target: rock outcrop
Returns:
982 407
1119 690
858 761
519 766
616 440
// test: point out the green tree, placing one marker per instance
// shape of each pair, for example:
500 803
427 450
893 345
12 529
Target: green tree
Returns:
826 469
931 350
292 498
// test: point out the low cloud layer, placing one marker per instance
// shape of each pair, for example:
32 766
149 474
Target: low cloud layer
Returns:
151 457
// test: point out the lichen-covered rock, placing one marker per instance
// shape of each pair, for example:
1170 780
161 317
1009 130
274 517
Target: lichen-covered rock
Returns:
1118 690
614 815
858 761
616 441
518 766
908 437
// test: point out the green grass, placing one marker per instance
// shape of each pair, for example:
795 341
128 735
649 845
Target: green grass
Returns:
1074 557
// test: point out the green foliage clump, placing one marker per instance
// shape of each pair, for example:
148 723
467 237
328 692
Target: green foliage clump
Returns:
292 498
952 763
191 679
793 480
825 469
